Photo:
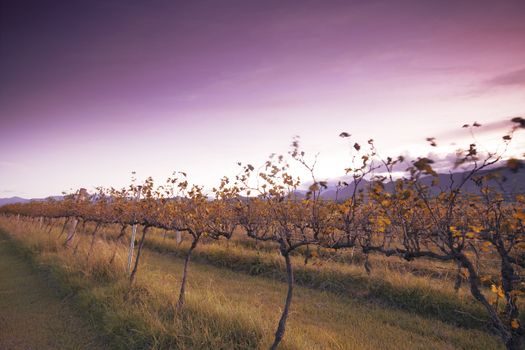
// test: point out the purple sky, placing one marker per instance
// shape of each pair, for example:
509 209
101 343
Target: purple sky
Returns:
92 90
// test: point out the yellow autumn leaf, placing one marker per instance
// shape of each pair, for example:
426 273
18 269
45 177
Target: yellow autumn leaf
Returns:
455 231
476 229
500 293
515 324
486 246
497 290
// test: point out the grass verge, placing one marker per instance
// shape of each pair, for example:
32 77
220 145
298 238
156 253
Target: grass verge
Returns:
225 308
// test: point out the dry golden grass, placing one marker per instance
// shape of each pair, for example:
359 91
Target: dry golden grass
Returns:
389 286
229 308
32 315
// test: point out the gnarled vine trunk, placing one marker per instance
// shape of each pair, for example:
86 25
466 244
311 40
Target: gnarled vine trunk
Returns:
511 341
516 340
119 237
279 334
71 232
93 237
141 244
63 227
182 293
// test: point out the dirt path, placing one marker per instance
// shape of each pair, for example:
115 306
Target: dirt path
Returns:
32 316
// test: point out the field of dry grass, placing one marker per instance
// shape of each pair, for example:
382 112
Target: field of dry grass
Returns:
236 291
33 315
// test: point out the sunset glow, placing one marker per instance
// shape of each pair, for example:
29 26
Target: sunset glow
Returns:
94 90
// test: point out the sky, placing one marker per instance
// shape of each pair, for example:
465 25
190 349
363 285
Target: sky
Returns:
93 90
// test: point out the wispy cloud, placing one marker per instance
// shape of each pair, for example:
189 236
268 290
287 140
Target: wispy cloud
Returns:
497 128
514 78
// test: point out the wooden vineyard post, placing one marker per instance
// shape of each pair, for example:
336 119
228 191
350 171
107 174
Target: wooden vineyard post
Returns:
132 241
81 195
131 247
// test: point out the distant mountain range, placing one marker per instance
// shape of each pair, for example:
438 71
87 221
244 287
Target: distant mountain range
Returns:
511 182
4 201
12 200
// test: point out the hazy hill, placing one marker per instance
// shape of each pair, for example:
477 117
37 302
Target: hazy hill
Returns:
11 200
509 182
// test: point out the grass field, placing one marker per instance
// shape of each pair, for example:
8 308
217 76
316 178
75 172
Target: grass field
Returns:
33 315
235 295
